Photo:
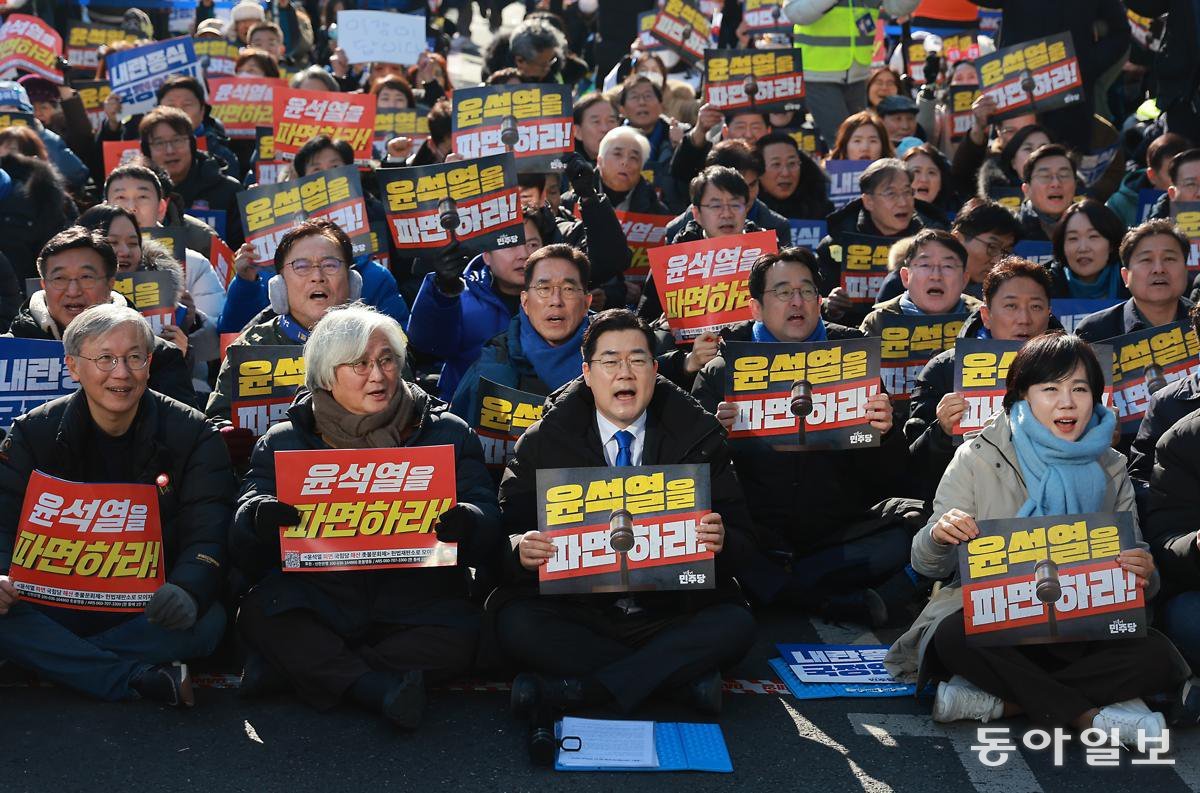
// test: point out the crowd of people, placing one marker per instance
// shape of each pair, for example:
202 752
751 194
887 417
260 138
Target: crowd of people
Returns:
396 347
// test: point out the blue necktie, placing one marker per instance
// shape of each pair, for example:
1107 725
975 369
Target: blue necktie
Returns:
624 444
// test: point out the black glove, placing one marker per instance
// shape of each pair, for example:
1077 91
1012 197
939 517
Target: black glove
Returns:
456 524
581 177
270 515
448 267
933 65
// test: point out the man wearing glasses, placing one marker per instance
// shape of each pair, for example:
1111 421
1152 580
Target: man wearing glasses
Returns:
78 268
1049 188
825 542
620 648
117 429
169 140
934 275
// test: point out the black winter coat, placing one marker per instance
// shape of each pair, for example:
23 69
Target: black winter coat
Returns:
194 507
1177 66
1167 407
207 183
350 601
1173 515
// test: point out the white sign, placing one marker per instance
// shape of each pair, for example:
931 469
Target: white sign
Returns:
369 36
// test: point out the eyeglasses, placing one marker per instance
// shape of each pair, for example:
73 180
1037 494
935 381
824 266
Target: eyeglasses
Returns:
732 206
166 144
785 294
568 291
636 363
134 361
59 283
329 266
386 363
1046 177
993 249
926 268
896 195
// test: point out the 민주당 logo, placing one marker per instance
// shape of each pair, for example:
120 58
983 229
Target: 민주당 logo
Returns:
861 437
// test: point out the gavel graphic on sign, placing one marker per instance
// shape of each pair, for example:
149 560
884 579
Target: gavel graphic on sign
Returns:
801 404
448 217
509 133
750 87
1048 589
620 539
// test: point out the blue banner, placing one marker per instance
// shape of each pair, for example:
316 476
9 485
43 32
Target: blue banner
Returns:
32 372
808 233
1036 251
1071 310
136 74
843 180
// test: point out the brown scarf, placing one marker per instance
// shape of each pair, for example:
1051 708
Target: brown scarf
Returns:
342 429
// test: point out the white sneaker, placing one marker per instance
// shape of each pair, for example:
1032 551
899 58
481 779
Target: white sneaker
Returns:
1129 718
960 699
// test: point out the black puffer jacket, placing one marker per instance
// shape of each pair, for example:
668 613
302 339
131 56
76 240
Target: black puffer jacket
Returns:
207 184
194 507
1174 504
34 210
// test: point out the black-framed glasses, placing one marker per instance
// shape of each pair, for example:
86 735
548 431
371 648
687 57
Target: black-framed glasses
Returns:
330 265
636 363
386 363
134 361
784 294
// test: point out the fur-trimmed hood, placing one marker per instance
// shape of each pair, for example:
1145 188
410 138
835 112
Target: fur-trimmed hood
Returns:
35 316
155 256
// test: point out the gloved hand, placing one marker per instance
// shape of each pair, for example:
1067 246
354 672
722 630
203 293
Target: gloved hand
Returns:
581 177
240 442
456 524
270 515
449 265
172 608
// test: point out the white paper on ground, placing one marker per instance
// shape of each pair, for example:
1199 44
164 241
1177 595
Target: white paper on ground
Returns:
609 743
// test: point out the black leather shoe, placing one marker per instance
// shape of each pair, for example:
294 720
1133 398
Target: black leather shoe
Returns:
537 696
705 693
259 678
404 703
526 695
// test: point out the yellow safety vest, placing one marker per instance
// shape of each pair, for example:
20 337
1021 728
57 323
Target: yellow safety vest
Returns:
835 42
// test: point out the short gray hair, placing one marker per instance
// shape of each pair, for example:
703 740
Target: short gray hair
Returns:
882 172
100 320
533 36
342 336
317 73
619 134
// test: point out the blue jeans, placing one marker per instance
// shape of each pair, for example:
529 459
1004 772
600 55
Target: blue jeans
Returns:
104 664
1181 622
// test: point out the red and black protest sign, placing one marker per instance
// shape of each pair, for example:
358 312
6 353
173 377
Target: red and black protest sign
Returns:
533 122
1031 77
838 378
703 284
643 231
243 104
1186 217
770 81
1146 360
265 379
299 116
765 16
410 123
152 294
270 210
268 169
1050 579
504 415
221 257
960 101
909 341
29 44
366 509
864 263
92 94
170 237
91 547
651 511
682 27
84 42
477 200
960 46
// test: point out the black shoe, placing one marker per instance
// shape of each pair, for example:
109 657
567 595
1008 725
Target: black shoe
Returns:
169 684
864 608
703 694
404 703
542 745
536 696
259 678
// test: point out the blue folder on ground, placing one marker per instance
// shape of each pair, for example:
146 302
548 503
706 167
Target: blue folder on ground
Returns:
836 671
678 746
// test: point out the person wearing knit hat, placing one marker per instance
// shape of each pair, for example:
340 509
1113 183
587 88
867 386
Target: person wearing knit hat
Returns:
245 15
210 28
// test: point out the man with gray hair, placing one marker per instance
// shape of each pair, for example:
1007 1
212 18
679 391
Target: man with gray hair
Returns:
537 49
116 430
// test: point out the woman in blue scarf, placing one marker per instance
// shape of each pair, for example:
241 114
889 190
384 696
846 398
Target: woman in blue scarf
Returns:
1086 264
1047 454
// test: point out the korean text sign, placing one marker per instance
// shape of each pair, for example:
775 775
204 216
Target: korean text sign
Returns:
300 116
28 43
504 415
265 379
136 74
643 231
682 27
366 508
1033 76
908 344
767 80
704 283
666 502
243 104
1097 599
864 264
92 547
842 375
1172 351
32 372
541 114
152 294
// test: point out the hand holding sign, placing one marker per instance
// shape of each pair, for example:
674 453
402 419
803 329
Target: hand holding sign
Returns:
368 36
711 532
950 411
535 549
954 527
1139 562
8 594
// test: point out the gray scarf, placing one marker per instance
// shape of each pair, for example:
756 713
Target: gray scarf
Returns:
342 429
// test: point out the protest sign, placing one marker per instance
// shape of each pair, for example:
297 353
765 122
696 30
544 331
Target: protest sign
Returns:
170 237
703 283
645 32
267 168
265 379
367 36
843 180
1146 360
84 42
808 233
152 294
582 510
299 116
136 74
1031 77
504 415
32 372
482 193
89 547
218 57
533 122
643 231
366 509
1008 197
908 344
683 28
243 104
863 259
1052 578
411 122
29 44
1148 198
840 377
119 152
13 118
770 81
92 94
962 45
1186 217
215 219
221 257
809 142
270 210
766 16
958 105
1037 251
1070 311
836 663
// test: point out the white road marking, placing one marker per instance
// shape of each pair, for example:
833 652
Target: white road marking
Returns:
812 732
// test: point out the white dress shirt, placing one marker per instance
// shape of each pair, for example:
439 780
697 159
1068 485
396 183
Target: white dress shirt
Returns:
608 437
